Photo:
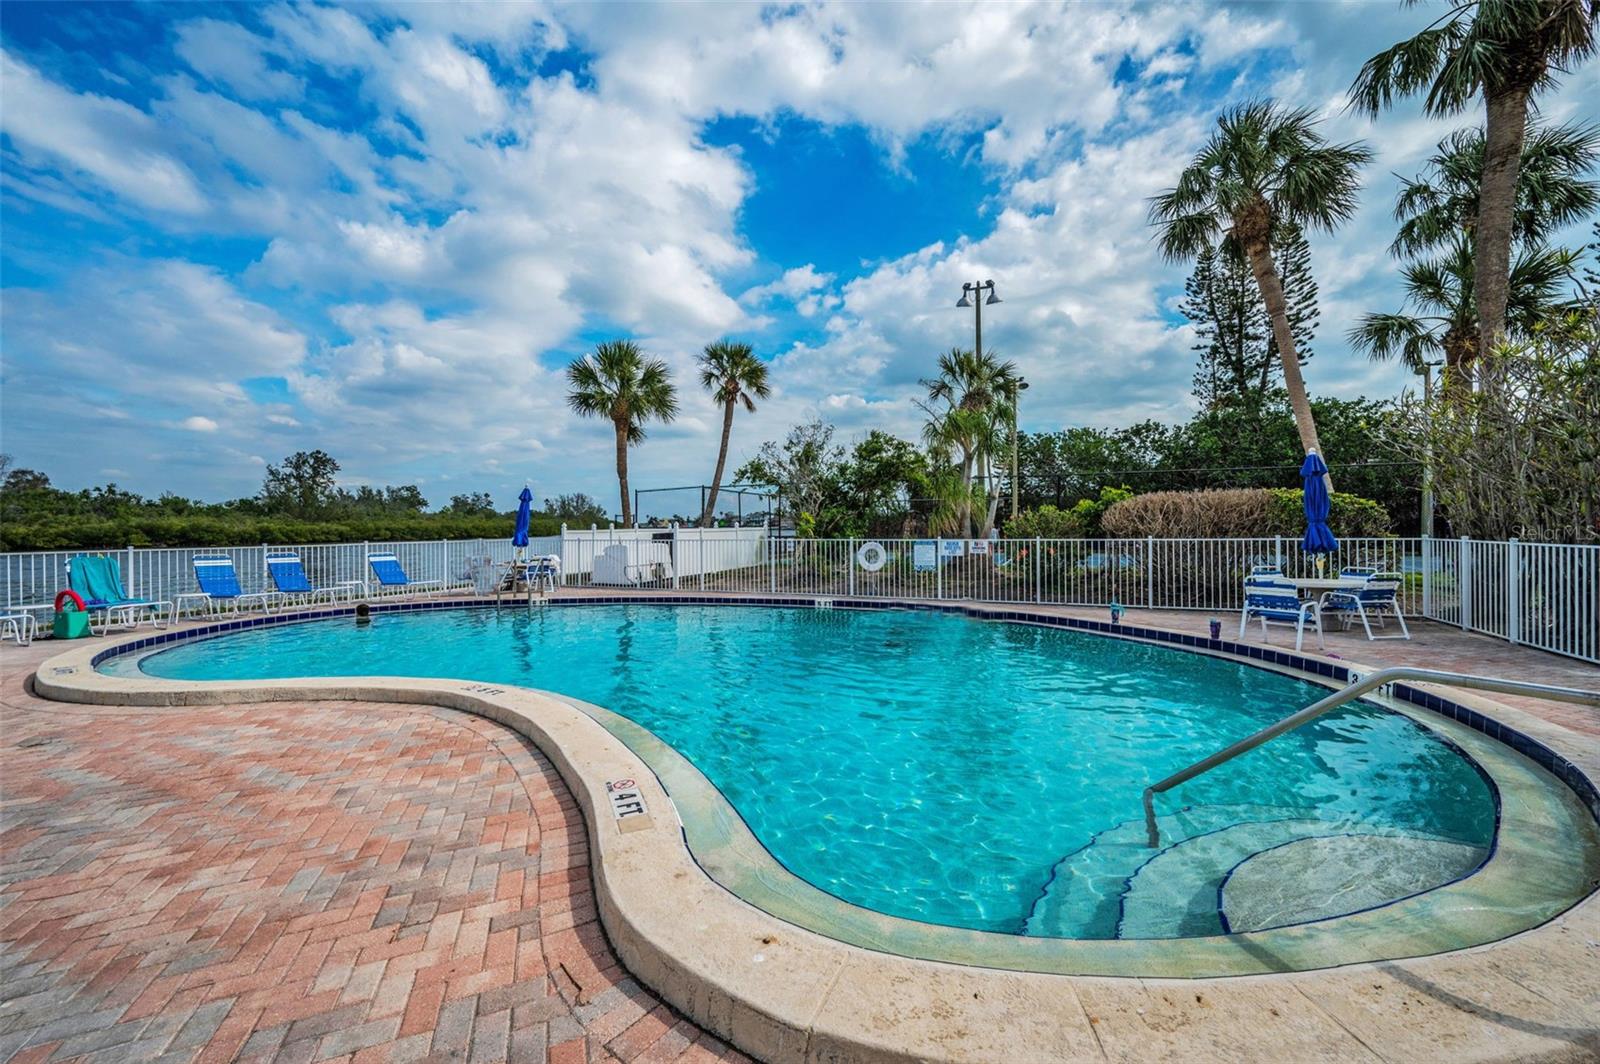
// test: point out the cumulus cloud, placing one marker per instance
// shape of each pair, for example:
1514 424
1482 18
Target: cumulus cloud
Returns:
438 206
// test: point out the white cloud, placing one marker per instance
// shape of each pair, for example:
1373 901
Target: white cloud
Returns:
793 285
116 145
418 280
232 56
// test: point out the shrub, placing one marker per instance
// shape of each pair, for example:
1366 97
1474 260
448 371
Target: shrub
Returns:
1090 512
1241 512
1349 515
1047 522
88 532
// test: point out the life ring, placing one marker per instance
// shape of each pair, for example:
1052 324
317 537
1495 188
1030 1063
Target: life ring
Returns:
872 556
69 595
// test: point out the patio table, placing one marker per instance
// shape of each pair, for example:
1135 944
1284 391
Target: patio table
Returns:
1325 583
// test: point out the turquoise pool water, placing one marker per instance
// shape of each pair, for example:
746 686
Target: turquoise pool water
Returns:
927 766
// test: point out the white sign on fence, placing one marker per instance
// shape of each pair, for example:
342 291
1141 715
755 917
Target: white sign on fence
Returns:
978 546
923 558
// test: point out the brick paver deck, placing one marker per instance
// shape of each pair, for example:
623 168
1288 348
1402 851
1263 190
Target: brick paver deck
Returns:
349 881
298 883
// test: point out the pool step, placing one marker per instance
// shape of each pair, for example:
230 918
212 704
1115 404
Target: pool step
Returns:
1174 894
1313 879
1081 895
1282 872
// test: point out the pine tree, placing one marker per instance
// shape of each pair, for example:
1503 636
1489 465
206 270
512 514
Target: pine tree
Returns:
1238 355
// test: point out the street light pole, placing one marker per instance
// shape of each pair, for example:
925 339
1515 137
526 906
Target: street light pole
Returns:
972 295
1016 489
1427 448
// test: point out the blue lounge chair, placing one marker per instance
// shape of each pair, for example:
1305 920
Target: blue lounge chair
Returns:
386 567
1376 601
97 579
219 586
1272 602
289 577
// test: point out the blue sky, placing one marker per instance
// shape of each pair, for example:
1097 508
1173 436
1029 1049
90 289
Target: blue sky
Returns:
232 232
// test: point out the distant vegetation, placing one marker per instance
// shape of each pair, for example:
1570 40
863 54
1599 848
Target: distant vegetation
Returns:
299 502
1237 512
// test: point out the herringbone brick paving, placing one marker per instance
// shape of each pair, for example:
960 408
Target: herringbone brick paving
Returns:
299 883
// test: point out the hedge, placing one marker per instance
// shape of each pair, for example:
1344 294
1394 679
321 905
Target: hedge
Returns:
1237 512
200 530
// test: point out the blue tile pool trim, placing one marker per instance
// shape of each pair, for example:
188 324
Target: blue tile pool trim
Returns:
1535 751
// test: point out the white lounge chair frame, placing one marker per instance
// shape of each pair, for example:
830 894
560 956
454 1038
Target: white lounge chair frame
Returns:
1272 602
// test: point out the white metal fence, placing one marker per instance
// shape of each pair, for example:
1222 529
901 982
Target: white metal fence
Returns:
1538 594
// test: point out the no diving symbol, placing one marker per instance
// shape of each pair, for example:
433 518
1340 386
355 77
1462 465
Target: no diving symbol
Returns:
626 801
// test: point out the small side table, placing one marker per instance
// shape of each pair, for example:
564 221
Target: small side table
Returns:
198 601
30 610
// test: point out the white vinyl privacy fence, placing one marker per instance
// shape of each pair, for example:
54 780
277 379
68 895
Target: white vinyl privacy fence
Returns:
1537 594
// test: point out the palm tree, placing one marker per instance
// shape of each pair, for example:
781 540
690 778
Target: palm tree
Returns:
732 374
968 403
1264 167
1438 210
1505 51
618 382
1441 204
1445 320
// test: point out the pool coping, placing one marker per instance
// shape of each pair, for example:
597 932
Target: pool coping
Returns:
773 988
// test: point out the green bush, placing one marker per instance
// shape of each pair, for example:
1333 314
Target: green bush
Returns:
1047 522
1349 515
1091 512
84 532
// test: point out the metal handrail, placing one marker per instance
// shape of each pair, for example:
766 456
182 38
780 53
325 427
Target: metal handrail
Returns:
1356 689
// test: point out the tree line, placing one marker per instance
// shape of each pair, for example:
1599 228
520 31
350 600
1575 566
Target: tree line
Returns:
300 501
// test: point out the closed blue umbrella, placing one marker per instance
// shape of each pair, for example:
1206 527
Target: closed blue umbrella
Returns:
1319 537
519 538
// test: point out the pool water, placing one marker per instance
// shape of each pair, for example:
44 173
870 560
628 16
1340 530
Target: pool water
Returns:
927 766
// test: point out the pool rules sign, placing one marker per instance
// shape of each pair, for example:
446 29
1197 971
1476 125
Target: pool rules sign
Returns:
627 805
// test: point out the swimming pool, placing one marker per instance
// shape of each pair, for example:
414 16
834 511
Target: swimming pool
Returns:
950 771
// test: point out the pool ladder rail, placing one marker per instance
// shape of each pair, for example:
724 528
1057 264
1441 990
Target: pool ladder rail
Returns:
1357 687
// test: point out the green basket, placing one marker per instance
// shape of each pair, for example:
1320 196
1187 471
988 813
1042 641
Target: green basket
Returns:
71 624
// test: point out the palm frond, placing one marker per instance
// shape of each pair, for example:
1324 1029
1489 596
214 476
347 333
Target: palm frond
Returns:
1402 70
1385 337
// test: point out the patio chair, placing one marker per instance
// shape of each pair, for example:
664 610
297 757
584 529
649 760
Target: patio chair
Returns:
541 574
1376 601
1359 572
386 567
219 586
288 574
1272 602
547 572
97 579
